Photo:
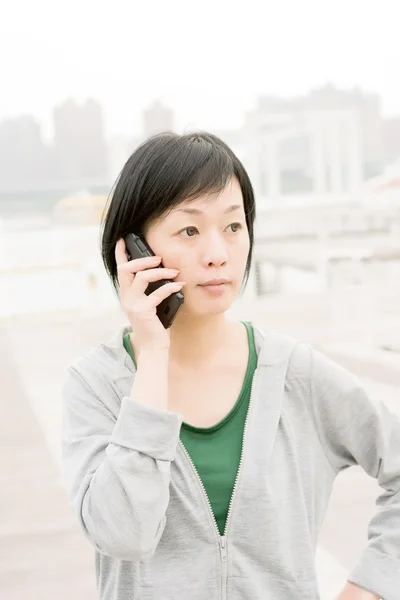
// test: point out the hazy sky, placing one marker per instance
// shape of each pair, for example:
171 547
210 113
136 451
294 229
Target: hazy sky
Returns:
208 59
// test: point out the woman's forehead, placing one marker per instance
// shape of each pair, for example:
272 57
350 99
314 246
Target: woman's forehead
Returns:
226 200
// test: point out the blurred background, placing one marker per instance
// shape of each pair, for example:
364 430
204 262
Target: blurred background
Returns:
306 94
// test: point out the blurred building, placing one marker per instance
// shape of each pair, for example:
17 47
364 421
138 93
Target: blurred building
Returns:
313 151
79 142
366 108
24 158
156 119
329 140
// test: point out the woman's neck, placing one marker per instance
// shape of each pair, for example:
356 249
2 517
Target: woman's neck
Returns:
197 340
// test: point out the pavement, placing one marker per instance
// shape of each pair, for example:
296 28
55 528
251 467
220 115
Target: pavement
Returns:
43 554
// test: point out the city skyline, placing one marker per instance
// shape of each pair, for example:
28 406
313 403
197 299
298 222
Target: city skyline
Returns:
46 122
48 139
79 152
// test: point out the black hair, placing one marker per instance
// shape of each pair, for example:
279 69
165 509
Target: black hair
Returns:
162 172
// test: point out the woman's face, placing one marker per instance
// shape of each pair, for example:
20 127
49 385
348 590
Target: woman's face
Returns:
208 241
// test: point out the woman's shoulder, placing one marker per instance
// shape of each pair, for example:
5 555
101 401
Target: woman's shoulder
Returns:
308 366
274 347
107 360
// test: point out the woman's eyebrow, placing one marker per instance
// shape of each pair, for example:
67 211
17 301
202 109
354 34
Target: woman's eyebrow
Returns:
196 211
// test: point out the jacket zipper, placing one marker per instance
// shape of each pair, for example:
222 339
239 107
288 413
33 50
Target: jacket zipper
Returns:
222 539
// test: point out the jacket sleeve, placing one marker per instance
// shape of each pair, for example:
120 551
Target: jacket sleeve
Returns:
117 469
356 429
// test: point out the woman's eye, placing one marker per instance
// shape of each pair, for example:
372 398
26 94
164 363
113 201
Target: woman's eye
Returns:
189 231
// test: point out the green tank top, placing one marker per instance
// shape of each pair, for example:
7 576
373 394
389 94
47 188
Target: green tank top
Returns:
216 451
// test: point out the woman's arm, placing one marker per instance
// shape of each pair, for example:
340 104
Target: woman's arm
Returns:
118 468
356 429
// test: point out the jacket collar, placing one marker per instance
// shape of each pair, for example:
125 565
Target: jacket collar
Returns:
271 349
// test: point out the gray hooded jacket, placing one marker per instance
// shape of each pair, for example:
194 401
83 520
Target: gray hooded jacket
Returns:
143 508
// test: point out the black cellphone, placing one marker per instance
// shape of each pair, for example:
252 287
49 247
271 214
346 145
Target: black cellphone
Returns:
137 247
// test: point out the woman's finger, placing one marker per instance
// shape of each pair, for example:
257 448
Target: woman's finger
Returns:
124 277
163 292
143 278
128 268
120 252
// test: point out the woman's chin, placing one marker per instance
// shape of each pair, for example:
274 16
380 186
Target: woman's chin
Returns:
208 306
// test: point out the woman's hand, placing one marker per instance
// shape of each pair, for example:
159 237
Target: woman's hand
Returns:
134 276
354 592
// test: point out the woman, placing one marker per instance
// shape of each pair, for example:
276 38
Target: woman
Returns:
200 458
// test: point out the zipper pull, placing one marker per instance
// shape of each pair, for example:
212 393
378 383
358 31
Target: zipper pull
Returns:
222 541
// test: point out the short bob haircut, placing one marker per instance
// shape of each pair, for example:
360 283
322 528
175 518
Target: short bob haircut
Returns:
161 173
